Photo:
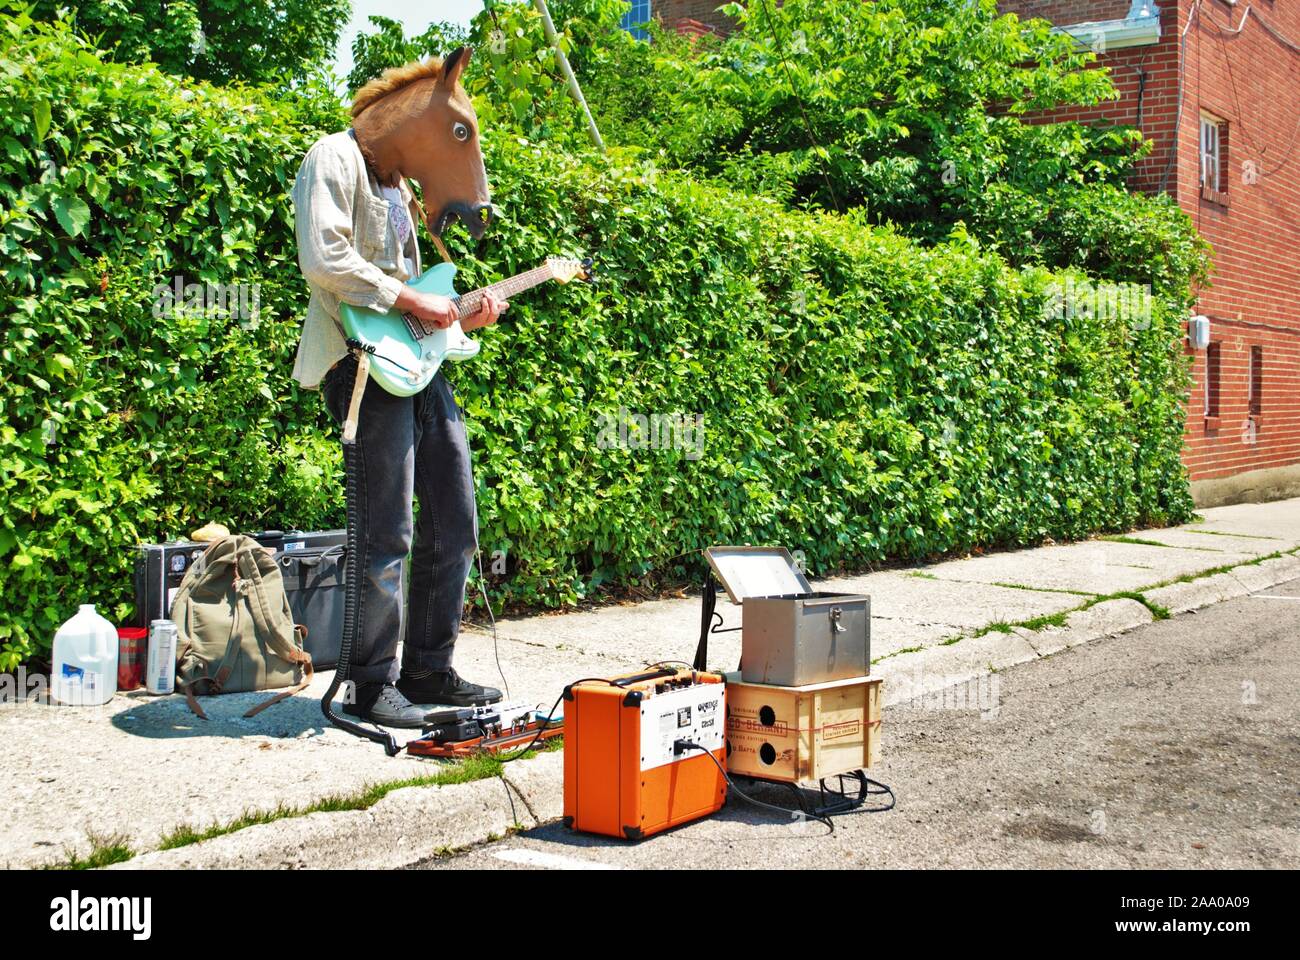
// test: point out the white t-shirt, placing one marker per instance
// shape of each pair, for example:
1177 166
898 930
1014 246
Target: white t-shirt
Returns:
399 221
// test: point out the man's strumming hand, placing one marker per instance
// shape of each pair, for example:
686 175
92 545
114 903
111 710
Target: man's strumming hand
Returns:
433 307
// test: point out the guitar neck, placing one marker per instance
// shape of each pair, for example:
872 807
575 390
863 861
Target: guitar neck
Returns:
468 304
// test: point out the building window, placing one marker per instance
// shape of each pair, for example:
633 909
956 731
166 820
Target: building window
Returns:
1214 143
1212 380
632 20
1255 385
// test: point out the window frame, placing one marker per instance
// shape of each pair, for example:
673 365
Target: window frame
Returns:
1213 375
1210 122
1255 381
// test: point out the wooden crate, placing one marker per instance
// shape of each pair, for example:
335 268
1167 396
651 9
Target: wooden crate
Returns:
802 734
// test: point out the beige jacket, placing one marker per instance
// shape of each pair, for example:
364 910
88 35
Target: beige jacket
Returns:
347 248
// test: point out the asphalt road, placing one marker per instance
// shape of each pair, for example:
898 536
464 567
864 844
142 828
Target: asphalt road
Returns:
1175 745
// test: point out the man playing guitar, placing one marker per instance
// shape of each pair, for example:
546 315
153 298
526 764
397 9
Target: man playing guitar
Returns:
355 222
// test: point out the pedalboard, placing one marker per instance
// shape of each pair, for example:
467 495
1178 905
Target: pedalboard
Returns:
459 732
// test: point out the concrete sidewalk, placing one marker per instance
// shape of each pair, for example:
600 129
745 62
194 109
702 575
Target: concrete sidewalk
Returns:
142 768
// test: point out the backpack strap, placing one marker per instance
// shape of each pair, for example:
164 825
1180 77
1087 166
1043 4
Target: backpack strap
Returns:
188 689
280 641
282 645
301 685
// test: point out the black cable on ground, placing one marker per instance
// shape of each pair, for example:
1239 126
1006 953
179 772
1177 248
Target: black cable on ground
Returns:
784 811
884 789
865 784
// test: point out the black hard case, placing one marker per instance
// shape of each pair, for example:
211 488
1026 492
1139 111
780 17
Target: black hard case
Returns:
311 565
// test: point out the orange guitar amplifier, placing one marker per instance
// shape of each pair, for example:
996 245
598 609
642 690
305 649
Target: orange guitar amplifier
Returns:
625 772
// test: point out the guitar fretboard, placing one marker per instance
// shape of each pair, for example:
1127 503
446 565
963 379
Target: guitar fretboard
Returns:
470 303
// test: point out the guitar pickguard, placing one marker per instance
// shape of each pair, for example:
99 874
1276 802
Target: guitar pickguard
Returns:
407 353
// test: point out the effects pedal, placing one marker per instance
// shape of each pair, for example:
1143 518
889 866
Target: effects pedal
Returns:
453 731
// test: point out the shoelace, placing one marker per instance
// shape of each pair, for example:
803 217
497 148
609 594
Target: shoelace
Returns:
392 697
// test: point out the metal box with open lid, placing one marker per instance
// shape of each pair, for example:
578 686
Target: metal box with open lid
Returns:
791 635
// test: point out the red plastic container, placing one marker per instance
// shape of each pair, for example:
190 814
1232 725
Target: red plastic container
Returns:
132 642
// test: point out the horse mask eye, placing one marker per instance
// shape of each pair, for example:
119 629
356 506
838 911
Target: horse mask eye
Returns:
460 131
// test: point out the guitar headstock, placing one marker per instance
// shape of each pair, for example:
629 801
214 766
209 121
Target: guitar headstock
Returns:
563 270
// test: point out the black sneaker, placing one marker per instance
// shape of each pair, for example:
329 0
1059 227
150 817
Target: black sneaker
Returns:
388 709
447 687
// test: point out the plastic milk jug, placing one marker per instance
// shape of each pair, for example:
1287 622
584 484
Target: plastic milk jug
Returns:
83 671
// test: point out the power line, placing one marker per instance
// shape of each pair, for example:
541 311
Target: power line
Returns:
1232 80
1178 116
1287 154
1294 47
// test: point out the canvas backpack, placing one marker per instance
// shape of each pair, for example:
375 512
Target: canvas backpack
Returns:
235 630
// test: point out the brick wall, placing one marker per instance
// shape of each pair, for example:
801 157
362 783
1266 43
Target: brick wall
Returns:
691 16
1067 11
1146 78
1252 81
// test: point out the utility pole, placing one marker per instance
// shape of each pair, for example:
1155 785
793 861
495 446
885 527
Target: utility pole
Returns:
575 90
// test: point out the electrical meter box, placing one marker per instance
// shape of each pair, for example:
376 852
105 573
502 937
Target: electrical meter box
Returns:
792 635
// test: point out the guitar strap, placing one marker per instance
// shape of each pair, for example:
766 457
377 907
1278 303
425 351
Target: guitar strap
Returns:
363 363
437 242
358 389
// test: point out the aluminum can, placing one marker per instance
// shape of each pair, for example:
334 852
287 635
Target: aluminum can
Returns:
160 672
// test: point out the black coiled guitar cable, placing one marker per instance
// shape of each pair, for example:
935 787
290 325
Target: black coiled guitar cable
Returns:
350 624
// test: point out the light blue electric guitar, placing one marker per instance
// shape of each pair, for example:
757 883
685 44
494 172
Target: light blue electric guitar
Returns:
406 353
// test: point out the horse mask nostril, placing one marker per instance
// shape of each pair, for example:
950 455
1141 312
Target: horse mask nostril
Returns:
476 217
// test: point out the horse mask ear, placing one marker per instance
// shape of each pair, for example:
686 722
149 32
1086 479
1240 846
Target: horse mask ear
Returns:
453 67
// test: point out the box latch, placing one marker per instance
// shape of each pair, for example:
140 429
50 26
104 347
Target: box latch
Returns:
836 614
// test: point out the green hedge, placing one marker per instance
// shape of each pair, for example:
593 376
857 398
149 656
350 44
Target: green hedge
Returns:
119 426
862 397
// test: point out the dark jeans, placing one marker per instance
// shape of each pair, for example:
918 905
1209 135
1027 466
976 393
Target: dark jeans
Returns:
407 446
